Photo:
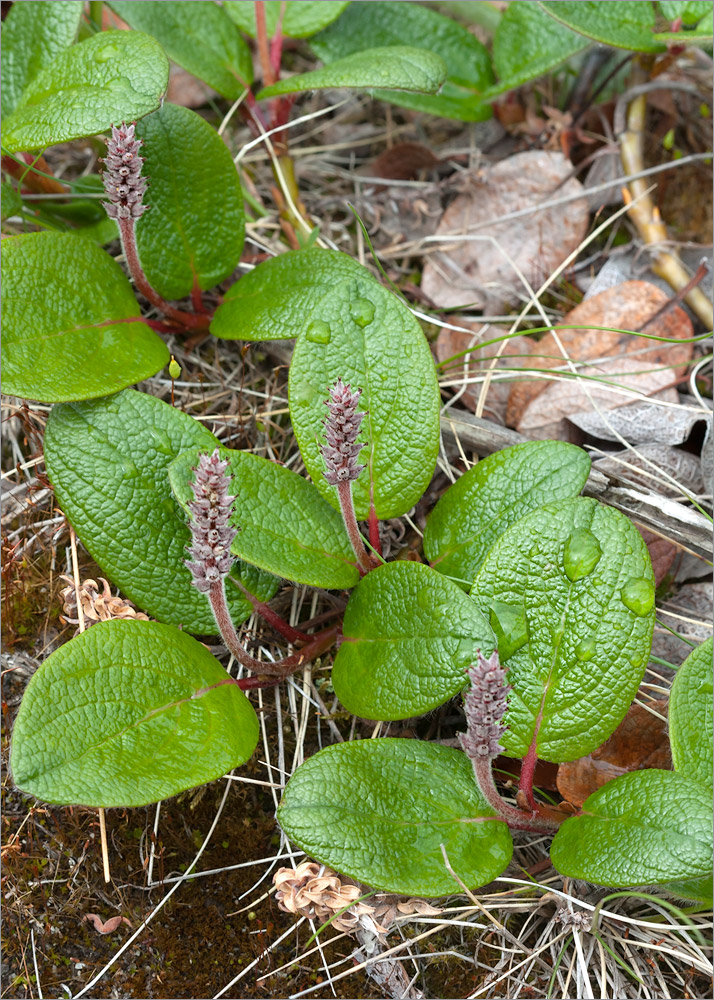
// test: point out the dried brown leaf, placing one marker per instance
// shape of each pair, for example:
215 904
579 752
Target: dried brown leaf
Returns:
640 741
475 270
545 416
513 355
628 306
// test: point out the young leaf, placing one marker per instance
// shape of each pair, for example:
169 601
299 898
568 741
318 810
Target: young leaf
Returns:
575 582
691 729
626 24
698 890
409 636
468 66
278 299
691 11
198 36
300 20
285 526
362 333
112 77
73 328
494 494
32 35
108 461
647 827
528 43
127 713
11 201
193 233
380 811
398 67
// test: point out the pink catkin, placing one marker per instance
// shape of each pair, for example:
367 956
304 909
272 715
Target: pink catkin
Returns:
485 704
211 531
122 178
342 426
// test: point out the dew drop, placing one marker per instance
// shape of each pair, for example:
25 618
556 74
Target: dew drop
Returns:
638 595
105 53
582 554
362 312
318 332
585 650
301 394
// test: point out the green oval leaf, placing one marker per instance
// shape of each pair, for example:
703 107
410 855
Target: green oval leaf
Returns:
197 35
578 643
112 77
32 35
494 494
691 11
409 636
278 299
73 328
528 43
192 235
300 20
128 713
364 334
468 66
626 24
380 810
11 201
691 726
350 327
647 827
108 462
397 67
285 526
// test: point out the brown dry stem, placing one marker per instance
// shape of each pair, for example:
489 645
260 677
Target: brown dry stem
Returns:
646 217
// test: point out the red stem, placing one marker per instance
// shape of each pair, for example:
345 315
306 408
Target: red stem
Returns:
528 766
517 819
283 668
344 494
270 616
131 254
261 35
197 297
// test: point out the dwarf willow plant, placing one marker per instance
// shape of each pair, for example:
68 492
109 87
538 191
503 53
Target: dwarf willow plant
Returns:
540 599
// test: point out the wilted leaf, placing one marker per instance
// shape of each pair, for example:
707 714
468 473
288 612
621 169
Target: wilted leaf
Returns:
106 926
628 306
545 416
690 613
662 553
642 421
472 369
477 270
636 468
639 741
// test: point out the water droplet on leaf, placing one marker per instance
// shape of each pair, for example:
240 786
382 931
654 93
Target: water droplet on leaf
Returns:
585 650
362 312
318 332
105 53
582 554
423 600
638 595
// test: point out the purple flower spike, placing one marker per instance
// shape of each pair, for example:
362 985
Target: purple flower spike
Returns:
211 532
122 178
341 430
485 704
